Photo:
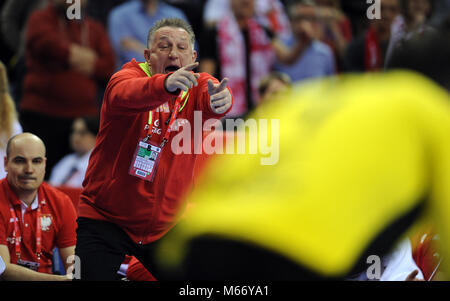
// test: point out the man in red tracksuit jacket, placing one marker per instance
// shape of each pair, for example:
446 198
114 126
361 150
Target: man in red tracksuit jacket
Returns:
124 208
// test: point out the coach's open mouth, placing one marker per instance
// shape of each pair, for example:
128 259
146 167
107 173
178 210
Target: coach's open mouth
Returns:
171 68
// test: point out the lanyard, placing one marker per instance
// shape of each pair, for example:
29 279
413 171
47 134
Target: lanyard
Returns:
18 238
183 96
176 109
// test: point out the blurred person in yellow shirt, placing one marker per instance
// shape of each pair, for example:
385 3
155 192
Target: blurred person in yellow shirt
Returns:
364 159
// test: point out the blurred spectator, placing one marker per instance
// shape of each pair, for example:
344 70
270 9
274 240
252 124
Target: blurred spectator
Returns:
414 17
129 24
336 29
9 125
441 11
100 9
414 13
273 84
426 53
367 52
238 48
356 11
193 9
71 169
66 62
15 14
316 59
269 13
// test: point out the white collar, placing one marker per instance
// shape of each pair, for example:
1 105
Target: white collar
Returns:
34 204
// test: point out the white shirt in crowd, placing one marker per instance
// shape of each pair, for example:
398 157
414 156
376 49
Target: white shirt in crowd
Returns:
215 10
70 171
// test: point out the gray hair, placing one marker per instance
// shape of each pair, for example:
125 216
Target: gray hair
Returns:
171 22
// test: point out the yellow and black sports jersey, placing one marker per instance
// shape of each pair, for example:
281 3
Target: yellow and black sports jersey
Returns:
361 158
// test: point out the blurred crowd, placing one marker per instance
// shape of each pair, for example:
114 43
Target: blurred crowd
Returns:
54 70
58 68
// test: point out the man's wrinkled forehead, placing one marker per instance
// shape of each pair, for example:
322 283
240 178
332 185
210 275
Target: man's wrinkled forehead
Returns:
30 152
171 33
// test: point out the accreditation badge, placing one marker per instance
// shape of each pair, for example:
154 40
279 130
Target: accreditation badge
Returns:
145 161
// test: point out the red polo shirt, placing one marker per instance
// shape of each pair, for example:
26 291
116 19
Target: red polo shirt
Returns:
58 224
